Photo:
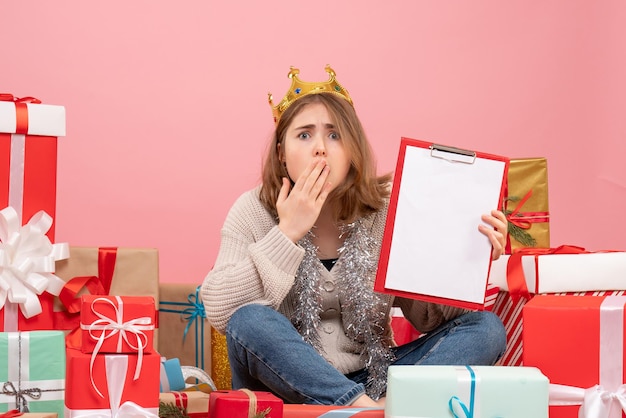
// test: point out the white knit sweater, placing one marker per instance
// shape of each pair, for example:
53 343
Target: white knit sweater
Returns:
257 263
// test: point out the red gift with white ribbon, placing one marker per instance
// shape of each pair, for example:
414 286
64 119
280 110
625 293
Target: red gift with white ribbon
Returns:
117 324
578 343
113 390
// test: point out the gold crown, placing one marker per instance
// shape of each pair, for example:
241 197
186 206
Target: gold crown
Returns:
301 88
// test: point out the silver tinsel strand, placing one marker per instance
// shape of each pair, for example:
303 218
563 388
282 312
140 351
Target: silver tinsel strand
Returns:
357 269
306 316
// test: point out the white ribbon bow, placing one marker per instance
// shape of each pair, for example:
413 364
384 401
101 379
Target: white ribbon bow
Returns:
596 402
117 325
27 261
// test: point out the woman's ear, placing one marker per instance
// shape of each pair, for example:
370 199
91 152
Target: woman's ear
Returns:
281 154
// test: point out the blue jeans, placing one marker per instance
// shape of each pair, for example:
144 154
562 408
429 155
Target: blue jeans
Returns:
266 353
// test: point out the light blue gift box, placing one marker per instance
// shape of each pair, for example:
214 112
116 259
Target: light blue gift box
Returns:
172 378
32 371
466 392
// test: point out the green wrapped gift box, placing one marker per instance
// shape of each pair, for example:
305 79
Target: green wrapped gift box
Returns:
32 371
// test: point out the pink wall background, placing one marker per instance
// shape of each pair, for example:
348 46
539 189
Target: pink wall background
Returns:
167 116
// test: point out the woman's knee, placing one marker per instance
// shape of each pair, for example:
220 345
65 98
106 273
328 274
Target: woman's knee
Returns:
248 318
492 331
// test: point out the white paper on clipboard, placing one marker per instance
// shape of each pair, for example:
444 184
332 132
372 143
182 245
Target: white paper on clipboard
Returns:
436 248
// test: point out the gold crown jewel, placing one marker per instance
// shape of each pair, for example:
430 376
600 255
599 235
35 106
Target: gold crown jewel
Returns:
301 88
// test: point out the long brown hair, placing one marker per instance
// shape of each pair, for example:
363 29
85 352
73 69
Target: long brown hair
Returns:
362 192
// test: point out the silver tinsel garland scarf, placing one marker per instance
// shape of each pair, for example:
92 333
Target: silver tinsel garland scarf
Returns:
357 268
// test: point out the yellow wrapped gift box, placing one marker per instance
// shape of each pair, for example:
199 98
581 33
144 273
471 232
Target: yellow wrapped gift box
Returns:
526 204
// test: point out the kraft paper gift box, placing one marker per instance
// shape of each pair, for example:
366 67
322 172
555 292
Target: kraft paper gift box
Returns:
117 324
526 204
195 404
466 391
121 271
185 331
32 371
562 270
27 266
578 342
330 411
242 403
28 155
122 384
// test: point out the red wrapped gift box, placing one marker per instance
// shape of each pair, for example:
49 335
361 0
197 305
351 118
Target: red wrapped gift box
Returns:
330 411
117 324
578 342
28 170
563 270
115 382
28 155
237 404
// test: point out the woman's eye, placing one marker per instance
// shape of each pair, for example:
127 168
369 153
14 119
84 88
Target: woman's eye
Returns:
334 135
304 135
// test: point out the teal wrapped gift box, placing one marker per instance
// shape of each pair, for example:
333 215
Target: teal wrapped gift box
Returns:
32 371
466 391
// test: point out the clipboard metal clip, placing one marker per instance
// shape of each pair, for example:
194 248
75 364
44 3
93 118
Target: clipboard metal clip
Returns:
459 155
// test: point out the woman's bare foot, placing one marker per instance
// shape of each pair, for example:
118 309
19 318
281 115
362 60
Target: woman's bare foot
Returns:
365 401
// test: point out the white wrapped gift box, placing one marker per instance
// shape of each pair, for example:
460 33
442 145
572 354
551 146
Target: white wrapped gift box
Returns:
472 391
555 273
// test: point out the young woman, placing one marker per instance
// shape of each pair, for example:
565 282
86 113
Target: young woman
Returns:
292 285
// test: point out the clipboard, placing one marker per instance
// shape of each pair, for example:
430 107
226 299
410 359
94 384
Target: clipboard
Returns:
432 249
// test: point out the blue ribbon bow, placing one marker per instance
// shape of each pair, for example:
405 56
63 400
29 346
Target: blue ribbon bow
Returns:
194 313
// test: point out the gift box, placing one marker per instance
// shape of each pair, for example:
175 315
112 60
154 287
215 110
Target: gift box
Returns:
32 371
195 404
104 271
185 331
578 342
472 391
117 324
330 411
171 376
244 404
542 270
566 270
107 384
28 155
526 204
27 266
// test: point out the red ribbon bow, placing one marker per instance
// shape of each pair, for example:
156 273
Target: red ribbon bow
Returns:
95 285
21 110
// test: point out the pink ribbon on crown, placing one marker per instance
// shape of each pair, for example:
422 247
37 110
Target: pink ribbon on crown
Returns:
116 368
607 399
116 325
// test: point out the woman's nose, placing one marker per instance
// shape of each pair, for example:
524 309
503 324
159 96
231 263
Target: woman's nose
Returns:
320 149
